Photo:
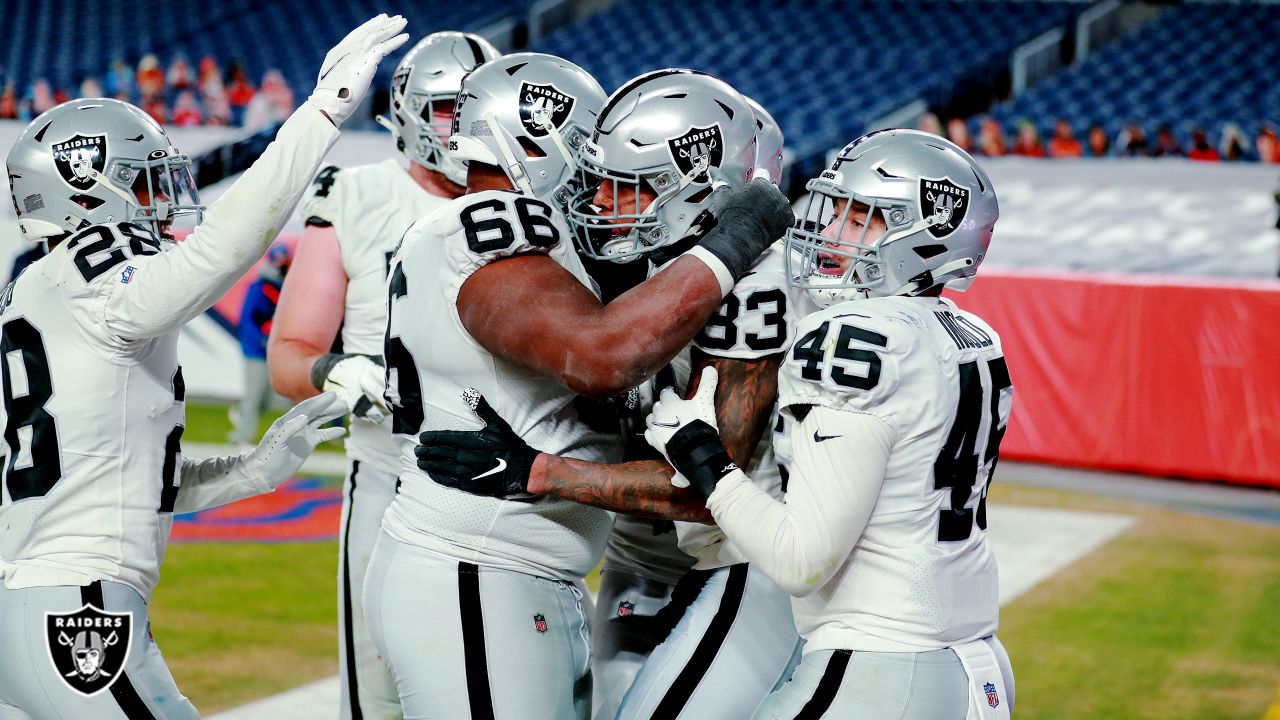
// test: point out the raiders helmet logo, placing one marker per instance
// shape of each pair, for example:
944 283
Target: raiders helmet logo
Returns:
77 156
543 107
88 647
944 203
399 84
699 149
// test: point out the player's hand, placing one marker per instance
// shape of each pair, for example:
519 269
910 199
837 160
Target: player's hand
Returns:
293 436
493 461
686 434
748 221
351 64
360 383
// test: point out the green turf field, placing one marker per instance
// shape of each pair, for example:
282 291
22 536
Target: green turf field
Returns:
1177 618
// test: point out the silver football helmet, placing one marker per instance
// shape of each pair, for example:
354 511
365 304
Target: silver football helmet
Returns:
768 144
96 160
938 209
527 114
423 90
675 133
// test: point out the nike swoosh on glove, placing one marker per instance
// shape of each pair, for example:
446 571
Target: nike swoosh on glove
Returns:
686 434
350 66
493 461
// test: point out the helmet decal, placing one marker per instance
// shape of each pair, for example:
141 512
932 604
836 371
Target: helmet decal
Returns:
76 156
699 148
945 203
542 106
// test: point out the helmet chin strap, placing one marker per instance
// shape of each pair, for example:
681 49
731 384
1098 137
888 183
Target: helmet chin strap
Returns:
515 170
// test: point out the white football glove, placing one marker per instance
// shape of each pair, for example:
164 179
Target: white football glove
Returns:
360 383
673 412
351 64
292 437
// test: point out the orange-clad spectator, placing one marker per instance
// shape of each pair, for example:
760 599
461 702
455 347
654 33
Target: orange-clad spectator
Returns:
1028 143
41 96
1064 143
9 102
1268 144
1099 143
930 123
154 106
179 75
1200 147
991 137
185 110
150 77
239 92
958 133
60 96
209 69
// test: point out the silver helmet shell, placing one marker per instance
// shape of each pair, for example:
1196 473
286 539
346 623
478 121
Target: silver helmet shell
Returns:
768 144
938 206
677 133
527 114
423 91
96 160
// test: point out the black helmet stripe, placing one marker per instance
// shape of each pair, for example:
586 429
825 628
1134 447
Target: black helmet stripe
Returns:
625 89
476 53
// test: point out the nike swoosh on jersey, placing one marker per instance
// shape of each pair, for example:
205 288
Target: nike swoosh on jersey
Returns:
668 425
502 465
822 438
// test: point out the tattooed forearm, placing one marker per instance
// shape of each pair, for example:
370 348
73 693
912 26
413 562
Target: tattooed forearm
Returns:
642 488
745 395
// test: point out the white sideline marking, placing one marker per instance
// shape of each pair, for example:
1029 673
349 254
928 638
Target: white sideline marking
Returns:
1031 545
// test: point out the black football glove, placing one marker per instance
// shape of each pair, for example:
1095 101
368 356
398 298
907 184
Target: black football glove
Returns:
493 461
748 221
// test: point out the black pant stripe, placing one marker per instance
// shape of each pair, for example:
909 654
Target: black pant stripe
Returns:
473 652
126 696
828 686
348 632
700 661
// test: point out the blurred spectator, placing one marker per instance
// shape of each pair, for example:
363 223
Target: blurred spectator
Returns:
90 87
179 75
185 111
60 96
209 69
930 123
1064 142
991 137
272 104
1268 145
41 96
1233 147
9 102
217 108
26 109
1132 141
120 80
239 92
1200 147
1028 143
1099 143
958 133
256 315
150 77
154 106
1166 144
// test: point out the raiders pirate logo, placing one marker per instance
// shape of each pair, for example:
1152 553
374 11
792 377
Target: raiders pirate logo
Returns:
945 203
399 84
88 647
700 149
543 107
77 156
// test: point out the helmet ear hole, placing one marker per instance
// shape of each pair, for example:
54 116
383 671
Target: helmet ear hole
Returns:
530 148
927 251
88 202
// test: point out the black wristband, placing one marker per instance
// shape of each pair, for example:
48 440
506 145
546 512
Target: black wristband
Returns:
324 365
697 454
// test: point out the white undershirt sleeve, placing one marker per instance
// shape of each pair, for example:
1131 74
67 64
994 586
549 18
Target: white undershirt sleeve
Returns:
171 288
834 483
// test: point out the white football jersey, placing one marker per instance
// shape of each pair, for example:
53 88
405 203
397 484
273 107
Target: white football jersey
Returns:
922 575
370 207
92 421
431 360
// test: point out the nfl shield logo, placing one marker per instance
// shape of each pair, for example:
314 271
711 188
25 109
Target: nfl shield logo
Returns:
544 107
88 647
699 147
992 698
540 622
626 608
945 202
76 158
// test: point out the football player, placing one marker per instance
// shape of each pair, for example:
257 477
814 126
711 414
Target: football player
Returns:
898 401
488 293
660 141
354 217
93 394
